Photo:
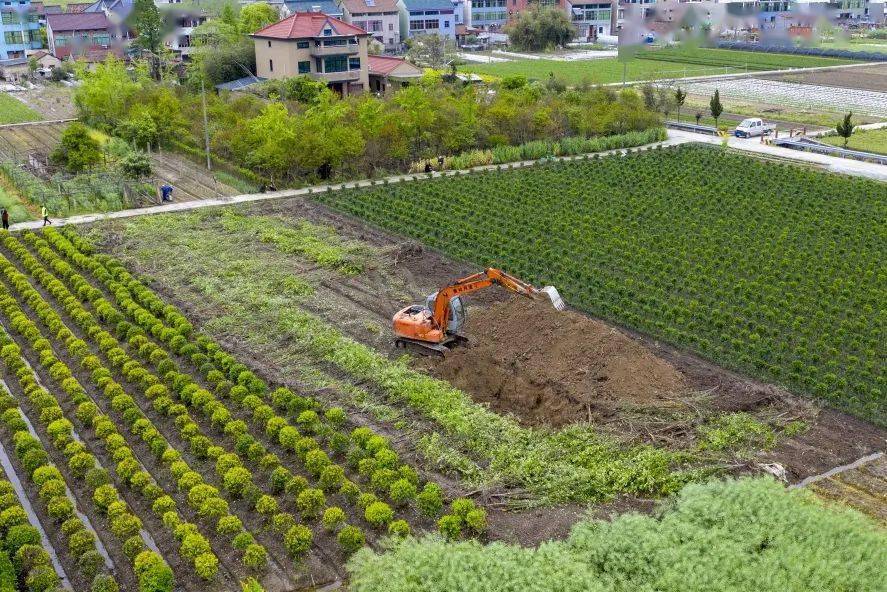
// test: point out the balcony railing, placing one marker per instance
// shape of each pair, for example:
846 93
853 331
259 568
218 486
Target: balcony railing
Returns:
349 49
345 76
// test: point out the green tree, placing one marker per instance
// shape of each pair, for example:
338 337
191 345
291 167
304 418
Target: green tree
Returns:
220 53
539 28
431 51
271 137
715 106
845 128
148 24
679 97
77 150
256 16
106 94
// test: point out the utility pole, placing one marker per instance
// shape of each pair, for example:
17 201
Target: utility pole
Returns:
209 165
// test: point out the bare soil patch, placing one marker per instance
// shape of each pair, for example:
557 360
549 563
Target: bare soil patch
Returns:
555 368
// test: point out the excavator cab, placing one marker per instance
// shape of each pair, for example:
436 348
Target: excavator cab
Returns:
457 312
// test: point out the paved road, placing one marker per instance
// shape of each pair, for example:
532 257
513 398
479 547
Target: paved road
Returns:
675 137
753 145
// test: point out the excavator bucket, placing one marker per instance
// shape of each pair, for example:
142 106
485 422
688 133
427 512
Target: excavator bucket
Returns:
555 297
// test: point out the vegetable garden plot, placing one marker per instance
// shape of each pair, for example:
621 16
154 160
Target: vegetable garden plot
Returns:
775 92
241 489
772 269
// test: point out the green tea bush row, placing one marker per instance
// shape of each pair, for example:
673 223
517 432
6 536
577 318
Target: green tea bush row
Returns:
23 561
124 524
52 487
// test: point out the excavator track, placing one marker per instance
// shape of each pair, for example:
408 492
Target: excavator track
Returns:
430 349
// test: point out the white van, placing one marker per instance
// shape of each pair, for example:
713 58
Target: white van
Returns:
753 126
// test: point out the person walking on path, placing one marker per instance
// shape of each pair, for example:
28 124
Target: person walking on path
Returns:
5 217
45 214
165 192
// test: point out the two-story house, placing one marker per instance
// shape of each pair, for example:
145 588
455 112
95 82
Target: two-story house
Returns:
316 45
379 18
427 17
19 29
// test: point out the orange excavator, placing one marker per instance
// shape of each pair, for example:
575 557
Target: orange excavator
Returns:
434 328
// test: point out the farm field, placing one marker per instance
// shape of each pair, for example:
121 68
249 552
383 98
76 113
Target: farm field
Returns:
307 293
721 290
14 111
167 389
652 65
166 455
795 95
315 305
190 180
872 77
865 140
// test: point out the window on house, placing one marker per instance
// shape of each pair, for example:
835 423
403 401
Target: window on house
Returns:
335 64
327 32
334 43
390 26
305 67
446 24
302 45
269 44
9 18
13 37
271 65
354 63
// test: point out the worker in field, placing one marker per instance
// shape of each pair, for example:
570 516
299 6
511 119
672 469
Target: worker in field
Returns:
5 216
45 213
165 192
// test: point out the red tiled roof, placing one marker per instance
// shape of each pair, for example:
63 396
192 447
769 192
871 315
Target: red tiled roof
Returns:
307 24
87 21
383 65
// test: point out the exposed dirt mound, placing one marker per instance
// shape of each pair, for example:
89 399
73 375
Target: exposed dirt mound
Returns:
554 368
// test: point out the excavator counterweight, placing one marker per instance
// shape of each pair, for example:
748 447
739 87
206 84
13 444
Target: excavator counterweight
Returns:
435 327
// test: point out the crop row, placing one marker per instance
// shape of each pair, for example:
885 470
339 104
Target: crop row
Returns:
771 269
150 568
24 563
124 524
369 453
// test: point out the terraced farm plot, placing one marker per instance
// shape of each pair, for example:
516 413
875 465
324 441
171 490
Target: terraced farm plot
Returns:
189 180
14 111
779 278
